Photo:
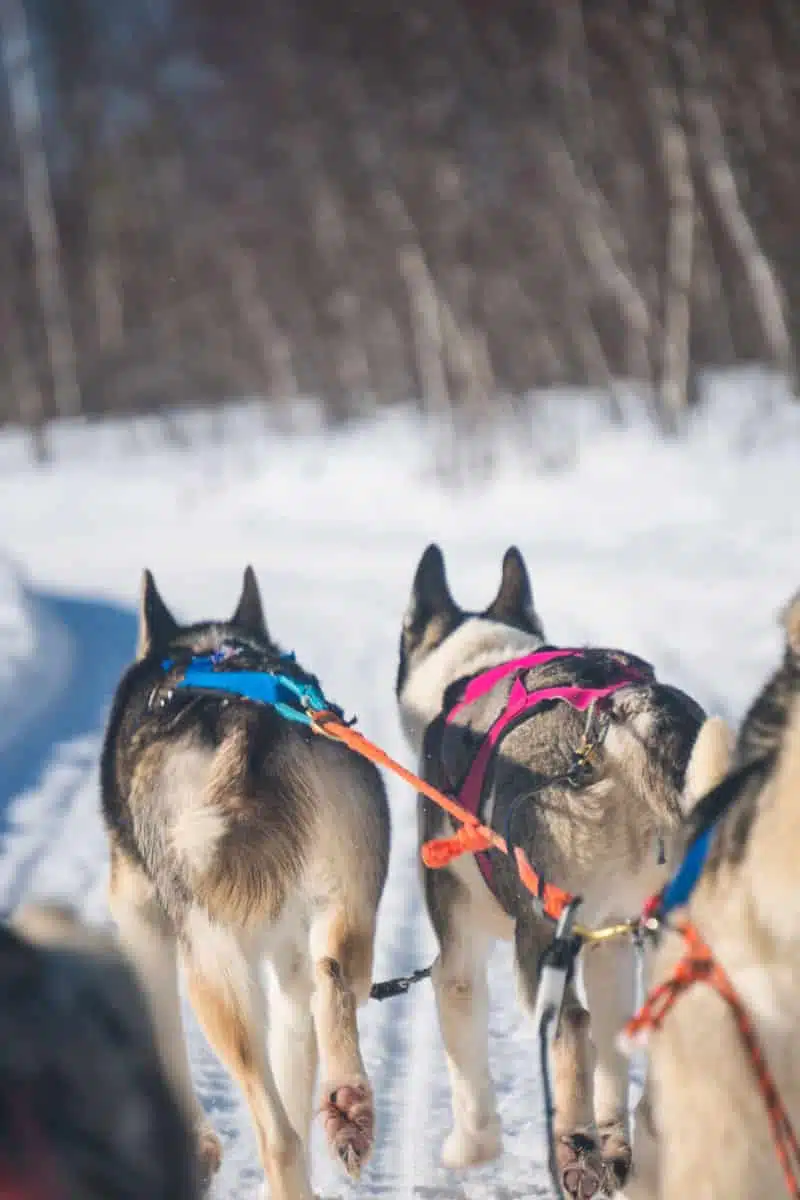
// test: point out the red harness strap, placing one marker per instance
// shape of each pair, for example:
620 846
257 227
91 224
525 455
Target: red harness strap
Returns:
698 965
520 701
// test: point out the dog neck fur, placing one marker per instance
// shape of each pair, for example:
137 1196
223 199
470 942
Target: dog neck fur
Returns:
750 911
772 859
474 646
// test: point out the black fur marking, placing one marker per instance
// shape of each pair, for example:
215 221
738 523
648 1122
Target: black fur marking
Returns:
735 803
249 613
414 633
513 605
433 615
134 724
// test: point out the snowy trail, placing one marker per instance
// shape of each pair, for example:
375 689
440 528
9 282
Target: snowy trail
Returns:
686 561
48 787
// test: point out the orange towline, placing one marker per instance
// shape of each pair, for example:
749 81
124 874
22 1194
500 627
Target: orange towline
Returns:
473 836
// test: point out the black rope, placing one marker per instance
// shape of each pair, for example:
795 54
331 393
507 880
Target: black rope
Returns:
560 956
398 987
550 1015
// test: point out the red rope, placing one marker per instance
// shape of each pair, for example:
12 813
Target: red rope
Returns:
698 966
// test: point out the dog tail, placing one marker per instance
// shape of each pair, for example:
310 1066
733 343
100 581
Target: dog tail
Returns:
709 762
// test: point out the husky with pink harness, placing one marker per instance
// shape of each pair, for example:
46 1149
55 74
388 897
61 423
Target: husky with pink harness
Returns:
521 703
577 756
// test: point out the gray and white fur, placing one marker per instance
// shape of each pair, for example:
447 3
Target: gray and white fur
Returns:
240 839
706 1130
600 841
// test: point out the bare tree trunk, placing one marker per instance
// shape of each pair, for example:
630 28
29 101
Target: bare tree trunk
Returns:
764 287
590 348
433 326
610 273
675 364
601 238
257 316
342 302
39 203
105 274
28 394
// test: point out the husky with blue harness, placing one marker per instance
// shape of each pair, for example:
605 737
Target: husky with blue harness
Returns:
238 836
576 757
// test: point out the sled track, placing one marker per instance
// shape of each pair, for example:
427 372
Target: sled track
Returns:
53 845
336 597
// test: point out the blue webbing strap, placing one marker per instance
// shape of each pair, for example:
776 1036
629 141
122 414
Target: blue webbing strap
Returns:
294 699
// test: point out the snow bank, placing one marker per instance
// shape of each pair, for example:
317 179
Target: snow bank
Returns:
34 654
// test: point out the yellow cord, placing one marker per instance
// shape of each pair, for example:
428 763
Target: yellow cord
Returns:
606 933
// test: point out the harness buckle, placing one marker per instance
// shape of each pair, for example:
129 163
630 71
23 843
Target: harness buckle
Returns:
580 770
159 698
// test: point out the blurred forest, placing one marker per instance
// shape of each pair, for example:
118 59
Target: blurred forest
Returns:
446 201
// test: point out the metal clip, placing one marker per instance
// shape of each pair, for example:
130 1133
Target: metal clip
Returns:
555 971
556 963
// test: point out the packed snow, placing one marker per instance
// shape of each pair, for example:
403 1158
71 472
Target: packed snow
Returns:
34 655
683 552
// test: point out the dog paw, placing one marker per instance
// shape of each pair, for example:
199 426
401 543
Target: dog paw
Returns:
349 1119
580 1165
617 1156
471 1147
209 1155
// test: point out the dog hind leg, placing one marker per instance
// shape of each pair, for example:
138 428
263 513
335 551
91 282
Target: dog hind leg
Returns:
148 939
228 997
462 1000
578 1154
292 1037
609 979
341 951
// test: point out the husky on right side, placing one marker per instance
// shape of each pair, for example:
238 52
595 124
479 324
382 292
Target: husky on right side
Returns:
607 838
704 1124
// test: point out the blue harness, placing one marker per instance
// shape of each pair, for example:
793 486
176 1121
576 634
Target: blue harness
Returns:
293 696
683 882
678 890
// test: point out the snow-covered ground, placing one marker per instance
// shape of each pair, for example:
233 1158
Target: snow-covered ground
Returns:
34 656
683 553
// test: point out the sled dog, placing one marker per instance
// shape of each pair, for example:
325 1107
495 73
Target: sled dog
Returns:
605 835
87 1110
703 1124
239 839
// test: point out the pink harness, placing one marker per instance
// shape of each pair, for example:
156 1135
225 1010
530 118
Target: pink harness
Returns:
520 700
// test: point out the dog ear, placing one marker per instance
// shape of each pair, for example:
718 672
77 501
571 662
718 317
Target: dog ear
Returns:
709 761
513 603
156 623
430 593
790 619
249 613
